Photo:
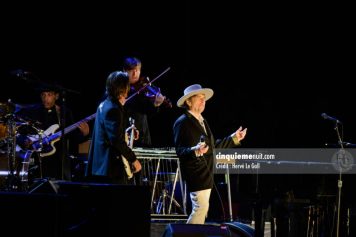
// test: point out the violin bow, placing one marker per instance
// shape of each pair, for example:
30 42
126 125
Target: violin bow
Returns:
134 94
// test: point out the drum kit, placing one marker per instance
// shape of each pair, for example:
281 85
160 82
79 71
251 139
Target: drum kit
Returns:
16 155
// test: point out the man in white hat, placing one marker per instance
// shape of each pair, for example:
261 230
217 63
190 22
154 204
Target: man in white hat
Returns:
194 143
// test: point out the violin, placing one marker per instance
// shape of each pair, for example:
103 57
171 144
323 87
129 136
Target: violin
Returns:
145 86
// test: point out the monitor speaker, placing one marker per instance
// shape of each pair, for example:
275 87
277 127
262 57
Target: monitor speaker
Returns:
190 230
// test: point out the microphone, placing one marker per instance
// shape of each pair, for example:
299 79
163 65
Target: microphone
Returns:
345 144
325 116
202 140
201 144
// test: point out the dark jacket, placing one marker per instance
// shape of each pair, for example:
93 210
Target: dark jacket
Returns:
196 171
108 141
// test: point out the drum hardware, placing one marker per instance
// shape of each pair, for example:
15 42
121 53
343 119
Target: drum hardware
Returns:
2 143
40 134
28 148
13 178
18 158
162 202
165 198
7 108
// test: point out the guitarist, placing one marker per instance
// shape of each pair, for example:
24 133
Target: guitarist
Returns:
47 114
108 146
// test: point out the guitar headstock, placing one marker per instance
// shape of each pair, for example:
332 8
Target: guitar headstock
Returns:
131 121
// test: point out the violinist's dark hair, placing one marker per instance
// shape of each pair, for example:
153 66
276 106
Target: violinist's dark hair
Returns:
130 63
117 84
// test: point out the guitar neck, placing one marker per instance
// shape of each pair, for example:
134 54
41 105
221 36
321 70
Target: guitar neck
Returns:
132 134
74 126
132 137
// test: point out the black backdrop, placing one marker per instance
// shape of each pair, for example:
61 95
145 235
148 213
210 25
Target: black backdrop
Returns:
273 71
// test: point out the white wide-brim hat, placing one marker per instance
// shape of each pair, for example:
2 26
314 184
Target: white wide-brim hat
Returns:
194 90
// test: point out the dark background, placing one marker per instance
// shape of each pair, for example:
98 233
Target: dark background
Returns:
274 69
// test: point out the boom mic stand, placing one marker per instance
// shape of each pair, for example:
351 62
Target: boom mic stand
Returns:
342 144
339 182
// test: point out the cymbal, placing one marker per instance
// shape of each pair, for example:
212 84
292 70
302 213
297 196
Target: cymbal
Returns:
7 108
19 107
10 107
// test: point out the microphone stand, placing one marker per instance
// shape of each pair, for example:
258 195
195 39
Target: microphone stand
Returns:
63 112
63 141
339 182
227 180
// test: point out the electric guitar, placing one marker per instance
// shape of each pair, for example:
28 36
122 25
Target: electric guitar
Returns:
129 140
44 143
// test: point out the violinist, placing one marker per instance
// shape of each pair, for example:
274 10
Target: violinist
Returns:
144 104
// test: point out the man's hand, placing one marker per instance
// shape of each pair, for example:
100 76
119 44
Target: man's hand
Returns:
159 99
136 166
240 134
84 128
200 149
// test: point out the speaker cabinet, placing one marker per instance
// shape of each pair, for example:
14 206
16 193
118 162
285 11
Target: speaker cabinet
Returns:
193 230
75 209
240 229
106 209
233 229
23 214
